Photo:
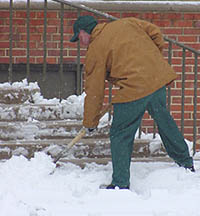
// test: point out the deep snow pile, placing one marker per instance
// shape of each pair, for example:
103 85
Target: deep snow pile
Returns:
39 107
157 189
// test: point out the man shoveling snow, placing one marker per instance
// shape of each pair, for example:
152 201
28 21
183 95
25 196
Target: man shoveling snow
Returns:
128 53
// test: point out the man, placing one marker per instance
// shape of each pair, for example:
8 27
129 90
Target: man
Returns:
128 52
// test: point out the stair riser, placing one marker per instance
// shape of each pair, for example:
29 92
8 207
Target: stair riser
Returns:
98 149
40 113
34 131
17 96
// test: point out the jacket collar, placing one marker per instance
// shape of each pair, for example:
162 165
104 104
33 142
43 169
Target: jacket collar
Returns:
97 30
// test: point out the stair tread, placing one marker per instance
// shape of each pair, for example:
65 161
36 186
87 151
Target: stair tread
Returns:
106 160
47 122
63 141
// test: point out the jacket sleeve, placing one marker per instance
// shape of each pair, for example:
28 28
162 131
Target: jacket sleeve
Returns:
154 33
95 72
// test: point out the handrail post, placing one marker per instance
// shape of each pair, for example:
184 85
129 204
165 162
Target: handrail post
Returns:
61 49
45 41
78 73
28 40
195 104
10 70
183 91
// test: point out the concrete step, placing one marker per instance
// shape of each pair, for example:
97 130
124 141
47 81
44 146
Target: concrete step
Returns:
60 129
40 112
15 94
85 148
103 161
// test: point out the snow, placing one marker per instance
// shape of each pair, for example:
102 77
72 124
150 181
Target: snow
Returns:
28 189
183 2
157 189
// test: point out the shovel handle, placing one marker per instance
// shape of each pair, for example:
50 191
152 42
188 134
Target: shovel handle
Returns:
80 134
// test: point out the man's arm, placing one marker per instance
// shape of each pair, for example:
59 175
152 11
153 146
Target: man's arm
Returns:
95 71
154 33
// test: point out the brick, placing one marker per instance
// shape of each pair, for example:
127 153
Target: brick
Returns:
50 15
36 29
178 69
131 14
68 29
175 92
177 115
189 92
180 53
32 45
74 52
53 52
2 52
147 122
52 60
52 29
69 59
177 100
187 84
191 31
115 14
19 60
182 23
20 14
162 23
187 39
19 52
56 37
49 45
150 16
4 60
190 61
176 61
4 44
4 37
19 21
36 22
53 22
21 29
71 15
36 52
4 14
35 37
172 16
172 31
191 16
5 29
23 37
190 122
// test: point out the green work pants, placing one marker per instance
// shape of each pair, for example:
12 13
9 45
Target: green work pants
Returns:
126 120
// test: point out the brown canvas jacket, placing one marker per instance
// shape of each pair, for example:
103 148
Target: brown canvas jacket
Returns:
128 53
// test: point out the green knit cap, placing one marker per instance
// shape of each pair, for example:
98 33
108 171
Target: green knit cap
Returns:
86 23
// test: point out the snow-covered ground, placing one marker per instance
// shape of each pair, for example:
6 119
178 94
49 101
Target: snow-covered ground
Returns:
157 189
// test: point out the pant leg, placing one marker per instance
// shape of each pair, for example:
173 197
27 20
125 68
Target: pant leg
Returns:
172 138
126 120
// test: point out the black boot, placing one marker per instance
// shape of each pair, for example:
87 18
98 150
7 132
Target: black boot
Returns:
111 186
192 169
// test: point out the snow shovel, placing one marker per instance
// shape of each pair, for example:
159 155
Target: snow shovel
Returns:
81 133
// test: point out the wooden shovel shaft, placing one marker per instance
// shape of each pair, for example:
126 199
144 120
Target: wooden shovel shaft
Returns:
80 134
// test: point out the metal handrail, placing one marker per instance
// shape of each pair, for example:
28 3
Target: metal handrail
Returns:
170 41
80 7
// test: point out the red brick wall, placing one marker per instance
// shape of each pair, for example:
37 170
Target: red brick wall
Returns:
183 27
